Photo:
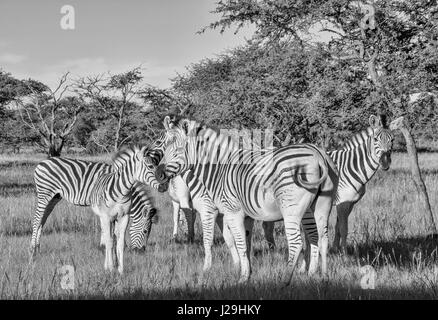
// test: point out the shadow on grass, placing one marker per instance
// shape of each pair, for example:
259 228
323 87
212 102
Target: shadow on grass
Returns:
16 189
300 289
56 228
402 251
13 164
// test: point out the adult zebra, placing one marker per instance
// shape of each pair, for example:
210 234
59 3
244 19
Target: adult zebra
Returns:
189 194
265 185
108 189
357 162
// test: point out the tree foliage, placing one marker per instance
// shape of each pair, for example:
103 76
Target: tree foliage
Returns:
372 58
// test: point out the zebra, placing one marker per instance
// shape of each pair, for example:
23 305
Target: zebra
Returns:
261 184
108 189
189 194
46 176
357 162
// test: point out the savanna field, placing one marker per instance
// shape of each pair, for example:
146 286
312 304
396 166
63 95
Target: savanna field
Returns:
388 230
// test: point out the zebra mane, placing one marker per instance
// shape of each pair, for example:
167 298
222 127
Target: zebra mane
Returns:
178 121
140 189
358 138
120 158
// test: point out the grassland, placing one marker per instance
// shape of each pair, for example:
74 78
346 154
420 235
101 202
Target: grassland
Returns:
387 230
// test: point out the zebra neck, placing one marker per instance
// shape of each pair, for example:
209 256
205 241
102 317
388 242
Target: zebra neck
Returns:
355 162
122 183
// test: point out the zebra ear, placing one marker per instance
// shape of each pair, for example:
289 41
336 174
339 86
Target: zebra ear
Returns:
185 127
143 151
166 123
375 122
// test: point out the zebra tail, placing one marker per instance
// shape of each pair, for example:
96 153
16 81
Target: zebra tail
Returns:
313 185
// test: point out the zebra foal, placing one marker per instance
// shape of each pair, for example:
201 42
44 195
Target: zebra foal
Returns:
110 190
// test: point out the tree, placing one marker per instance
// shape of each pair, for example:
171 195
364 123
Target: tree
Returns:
49 113
295 91
115 97
157 104
9 88
388 40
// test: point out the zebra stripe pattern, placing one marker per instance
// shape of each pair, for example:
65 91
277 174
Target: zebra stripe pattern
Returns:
264 184
142 215
106 188
73 180
189 194
357 162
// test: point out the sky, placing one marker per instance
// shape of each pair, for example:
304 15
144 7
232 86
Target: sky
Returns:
109 35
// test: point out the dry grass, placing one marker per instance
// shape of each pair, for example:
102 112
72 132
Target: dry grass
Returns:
387 231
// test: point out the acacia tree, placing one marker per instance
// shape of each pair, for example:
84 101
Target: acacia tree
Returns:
49 113
157 104
115 97
393 42
9 88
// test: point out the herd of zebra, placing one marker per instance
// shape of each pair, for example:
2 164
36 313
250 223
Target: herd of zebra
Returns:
206 171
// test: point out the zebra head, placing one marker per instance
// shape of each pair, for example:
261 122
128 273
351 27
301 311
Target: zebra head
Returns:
144 166
176 159
140 229
381 141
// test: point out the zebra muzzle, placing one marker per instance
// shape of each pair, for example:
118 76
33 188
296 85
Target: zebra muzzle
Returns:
385 161
160 174
163 186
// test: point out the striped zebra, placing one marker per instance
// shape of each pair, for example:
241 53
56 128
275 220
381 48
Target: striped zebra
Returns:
108 189
189 194
266 185
357 162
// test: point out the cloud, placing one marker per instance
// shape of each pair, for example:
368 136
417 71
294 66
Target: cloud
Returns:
11 58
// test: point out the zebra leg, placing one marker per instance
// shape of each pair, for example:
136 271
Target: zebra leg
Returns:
249 224
236 223
175 219
322 211
207 218
121 229
305 256
343 211
102 237
190 215
45 206
107 235
311 234
268 229
293 208
229 240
